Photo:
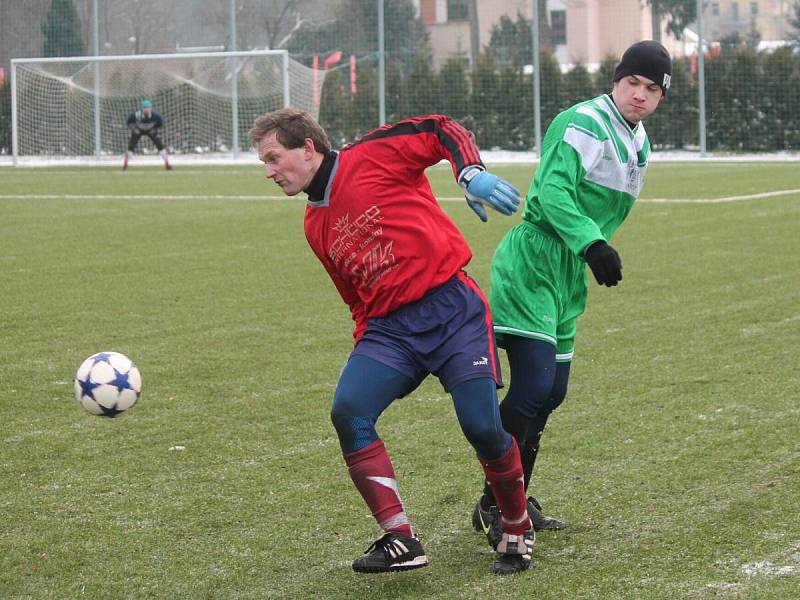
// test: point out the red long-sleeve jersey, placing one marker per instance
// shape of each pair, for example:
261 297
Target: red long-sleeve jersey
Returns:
378 229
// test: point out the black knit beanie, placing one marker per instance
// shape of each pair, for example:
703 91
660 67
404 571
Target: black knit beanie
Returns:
649 59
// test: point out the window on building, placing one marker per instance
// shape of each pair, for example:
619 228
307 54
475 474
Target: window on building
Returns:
754 8
558 27
735 11
458 10
715 9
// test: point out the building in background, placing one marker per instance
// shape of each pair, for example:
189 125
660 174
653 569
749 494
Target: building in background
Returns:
771 19
451 30
586 31
589 31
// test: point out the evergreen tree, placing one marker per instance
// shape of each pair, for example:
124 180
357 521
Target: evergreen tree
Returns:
735 122
515 109
512 41
781 72
334 109
421 86
484 100
395 99
577 85
604 76
795 21
364 115
454 88
62 30
679 106
550 82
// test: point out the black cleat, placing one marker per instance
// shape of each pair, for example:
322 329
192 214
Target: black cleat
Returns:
392 552
514 553
542 522
486 520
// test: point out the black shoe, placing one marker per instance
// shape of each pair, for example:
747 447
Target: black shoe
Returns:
392 552
486 520
514 553
540 520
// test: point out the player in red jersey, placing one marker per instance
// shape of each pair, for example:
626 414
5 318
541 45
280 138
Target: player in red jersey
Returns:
397 260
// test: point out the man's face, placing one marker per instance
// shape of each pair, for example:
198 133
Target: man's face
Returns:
636 97
292 169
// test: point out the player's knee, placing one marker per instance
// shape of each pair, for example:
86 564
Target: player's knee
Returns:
558 394
341 411
354 430
487 437
530 396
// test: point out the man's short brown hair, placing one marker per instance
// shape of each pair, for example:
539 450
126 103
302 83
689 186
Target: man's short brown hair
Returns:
292 127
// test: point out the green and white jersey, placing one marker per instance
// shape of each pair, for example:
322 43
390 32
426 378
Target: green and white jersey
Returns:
591 172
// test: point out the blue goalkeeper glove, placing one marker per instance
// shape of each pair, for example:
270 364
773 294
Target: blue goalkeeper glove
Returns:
481 188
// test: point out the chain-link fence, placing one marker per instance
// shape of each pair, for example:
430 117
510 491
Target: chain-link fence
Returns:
373 61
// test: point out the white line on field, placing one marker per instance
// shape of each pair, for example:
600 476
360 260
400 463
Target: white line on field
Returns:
695 200
441 198
719 200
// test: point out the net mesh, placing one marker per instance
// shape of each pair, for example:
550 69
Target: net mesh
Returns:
56 101
474 61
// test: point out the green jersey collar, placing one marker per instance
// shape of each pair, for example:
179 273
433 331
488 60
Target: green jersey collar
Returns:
606 101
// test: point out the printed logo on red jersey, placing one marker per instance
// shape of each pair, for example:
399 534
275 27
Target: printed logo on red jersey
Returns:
350 233
375 263
342 223
358 248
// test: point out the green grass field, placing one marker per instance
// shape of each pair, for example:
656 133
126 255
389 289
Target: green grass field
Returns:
675 459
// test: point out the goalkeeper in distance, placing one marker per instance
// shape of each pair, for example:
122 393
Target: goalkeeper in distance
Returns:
147 122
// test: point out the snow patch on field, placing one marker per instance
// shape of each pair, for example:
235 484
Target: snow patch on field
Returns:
781 564
787 563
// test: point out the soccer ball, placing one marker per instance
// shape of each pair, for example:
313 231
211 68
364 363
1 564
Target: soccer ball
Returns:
107 384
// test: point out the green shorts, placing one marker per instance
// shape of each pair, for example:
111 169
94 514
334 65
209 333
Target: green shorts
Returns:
538 289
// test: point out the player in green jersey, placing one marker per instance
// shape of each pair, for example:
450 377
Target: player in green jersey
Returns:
593 162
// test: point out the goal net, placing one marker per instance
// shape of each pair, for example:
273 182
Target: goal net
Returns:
78 107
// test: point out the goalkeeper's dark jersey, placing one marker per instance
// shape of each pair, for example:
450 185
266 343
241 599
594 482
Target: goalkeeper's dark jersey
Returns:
373 221
144 123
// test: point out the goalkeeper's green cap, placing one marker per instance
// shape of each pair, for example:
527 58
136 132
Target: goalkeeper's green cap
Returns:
147 104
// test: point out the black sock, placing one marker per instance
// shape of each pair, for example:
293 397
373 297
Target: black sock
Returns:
530 449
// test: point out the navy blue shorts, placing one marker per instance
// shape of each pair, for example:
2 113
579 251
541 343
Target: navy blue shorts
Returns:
448 332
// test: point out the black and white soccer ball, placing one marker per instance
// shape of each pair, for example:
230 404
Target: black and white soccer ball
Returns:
107 384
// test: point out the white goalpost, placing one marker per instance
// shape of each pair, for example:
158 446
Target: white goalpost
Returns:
76 108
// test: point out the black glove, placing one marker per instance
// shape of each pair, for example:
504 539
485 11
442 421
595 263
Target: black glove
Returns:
604 262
